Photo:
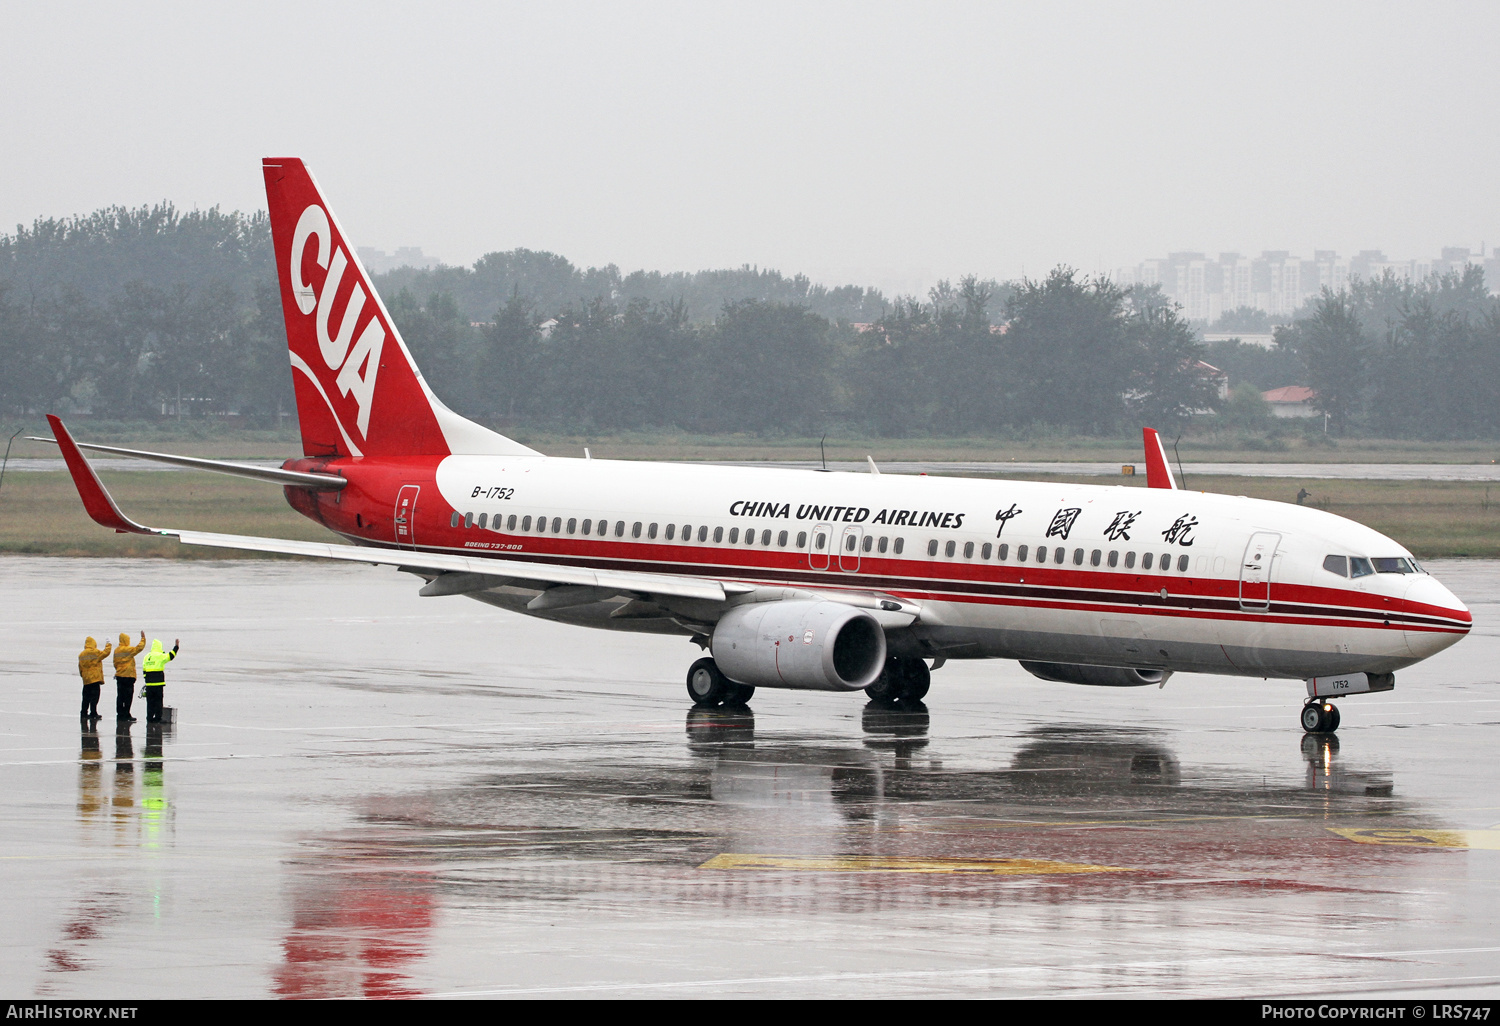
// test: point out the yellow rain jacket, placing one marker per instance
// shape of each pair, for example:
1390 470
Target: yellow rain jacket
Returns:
125 654
91 660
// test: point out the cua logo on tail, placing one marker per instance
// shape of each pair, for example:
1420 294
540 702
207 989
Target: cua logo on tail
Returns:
357 366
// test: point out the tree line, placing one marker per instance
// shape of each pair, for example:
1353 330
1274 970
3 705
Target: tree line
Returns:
127 312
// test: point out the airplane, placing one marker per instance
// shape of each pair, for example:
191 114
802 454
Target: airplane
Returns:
804 579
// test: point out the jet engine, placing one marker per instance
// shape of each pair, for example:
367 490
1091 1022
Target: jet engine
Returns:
807 645
1099 676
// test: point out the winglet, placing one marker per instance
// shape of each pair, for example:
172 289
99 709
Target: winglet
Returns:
1158 471
95 499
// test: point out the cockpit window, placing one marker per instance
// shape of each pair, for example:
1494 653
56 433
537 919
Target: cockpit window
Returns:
1360 567
1336 565
1392 565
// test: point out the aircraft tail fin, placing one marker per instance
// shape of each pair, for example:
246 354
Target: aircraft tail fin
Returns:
1158 470
359 393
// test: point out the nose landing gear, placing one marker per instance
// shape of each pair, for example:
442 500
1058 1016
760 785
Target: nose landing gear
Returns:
1320 717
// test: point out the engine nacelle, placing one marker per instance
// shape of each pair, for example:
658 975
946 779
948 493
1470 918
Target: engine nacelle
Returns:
808 645
1098 676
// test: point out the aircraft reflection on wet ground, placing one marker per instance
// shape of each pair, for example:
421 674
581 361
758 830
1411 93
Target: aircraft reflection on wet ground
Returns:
564 828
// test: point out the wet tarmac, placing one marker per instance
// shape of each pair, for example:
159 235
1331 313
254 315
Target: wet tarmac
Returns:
368 793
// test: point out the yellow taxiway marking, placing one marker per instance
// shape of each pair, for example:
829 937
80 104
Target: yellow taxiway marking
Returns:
880 864
1488 839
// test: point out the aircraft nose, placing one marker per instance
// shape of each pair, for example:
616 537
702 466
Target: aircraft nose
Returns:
1439 619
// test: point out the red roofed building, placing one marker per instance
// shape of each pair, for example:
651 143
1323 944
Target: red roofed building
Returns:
1291 401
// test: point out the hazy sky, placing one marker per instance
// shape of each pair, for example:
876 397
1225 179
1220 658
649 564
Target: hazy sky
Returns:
887 144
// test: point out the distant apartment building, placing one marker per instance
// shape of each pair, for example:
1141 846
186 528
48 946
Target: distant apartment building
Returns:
1278 283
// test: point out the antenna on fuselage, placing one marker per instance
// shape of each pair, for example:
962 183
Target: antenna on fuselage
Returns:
822 454
1180 475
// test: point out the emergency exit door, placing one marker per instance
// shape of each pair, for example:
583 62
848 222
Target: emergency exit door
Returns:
822 546
406 515
849 549
1255 571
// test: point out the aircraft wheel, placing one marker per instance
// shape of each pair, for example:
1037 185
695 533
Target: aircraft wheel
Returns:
888 687
739 694
1312 717
1333 718
706 686
916 678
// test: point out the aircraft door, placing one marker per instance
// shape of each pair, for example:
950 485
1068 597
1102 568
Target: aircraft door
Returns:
849 548
1255 571
822 545
406 515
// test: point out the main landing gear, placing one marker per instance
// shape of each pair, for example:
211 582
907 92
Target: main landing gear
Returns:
707 687
905 680
1320 716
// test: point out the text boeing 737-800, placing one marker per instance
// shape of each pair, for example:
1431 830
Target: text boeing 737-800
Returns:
802 579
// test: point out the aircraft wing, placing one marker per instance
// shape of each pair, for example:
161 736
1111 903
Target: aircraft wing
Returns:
564 585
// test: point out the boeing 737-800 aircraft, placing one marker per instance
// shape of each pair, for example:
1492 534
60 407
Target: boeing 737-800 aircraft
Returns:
803 579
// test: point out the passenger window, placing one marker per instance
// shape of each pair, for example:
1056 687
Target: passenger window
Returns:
718 535
483 518
801 539
984 553
603 528
948 549
1095 557
734 535
1062 554
651 531
1336 565
849 543
1114 557
671 531
1182 563
635 529
821 541
1003 551
1020 553
932 547
687 532
557 525
900 544
884 543
765 537
869 543
1360 567
1146 561
1129 560
619 528
572 526
510 522
588 526
468 521
781 540
525 523
1078 557
1041 553
968 550
703 532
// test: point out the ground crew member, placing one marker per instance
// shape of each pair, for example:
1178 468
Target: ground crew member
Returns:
91 669
155 665
125 654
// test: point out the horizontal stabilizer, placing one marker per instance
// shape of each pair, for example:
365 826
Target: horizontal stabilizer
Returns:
274 475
